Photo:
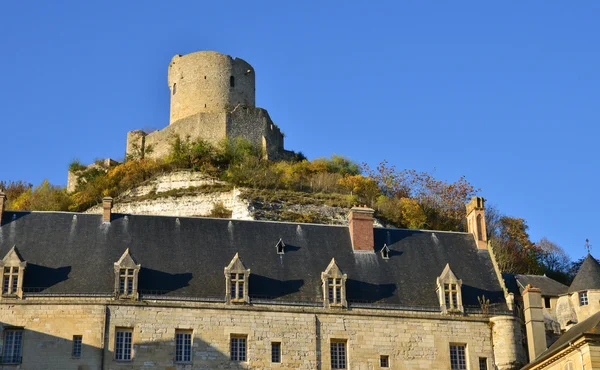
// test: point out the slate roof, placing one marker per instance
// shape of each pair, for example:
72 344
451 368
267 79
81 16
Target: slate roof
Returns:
589 326
70 253
548 286
588 276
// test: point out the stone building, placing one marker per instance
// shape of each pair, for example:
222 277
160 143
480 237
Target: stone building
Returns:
121 291
561 321
212 98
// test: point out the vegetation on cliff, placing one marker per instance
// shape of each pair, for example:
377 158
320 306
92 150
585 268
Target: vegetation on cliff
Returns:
402 198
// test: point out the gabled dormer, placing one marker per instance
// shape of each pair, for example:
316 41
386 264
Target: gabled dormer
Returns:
385 252
449 291
280 247
126 276
13 270
236 281
334 286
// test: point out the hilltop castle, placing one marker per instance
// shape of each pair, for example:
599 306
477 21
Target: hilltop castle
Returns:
212 97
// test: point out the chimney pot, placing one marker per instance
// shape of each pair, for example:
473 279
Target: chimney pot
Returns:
107 203
2 204
361 229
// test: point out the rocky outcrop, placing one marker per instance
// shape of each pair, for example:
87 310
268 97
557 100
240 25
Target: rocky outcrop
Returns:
189 194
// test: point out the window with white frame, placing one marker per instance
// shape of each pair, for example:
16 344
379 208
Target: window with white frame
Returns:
451 296
123 344
238 348
77 342
338 354
458 357
183 346
583 299
13 346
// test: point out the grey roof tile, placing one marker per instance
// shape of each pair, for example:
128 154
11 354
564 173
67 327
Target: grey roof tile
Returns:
185 257
588 276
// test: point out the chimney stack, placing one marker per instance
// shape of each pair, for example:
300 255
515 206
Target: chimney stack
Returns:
107 203
3 200
476 221
361 229
534 321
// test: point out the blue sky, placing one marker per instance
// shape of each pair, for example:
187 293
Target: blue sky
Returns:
505 93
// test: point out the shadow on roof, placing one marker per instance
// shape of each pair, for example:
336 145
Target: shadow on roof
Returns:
265 287
160 282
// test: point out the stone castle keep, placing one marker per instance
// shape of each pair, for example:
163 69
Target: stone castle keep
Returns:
212 97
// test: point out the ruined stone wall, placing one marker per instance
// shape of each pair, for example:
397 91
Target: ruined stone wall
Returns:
412 340
208 126
208 81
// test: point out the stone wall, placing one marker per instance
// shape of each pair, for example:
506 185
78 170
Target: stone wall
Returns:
569 311
48 334
201 82
412 340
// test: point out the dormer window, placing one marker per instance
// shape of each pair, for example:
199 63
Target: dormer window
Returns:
334 286
126 276
280 247
13 268
449 291
385 252
236 281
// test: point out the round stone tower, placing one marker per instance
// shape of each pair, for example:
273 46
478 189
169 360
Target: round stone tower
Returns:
207 81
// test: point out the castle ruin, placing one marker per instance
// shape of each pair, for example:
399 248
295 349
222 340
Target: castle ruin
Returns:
212 98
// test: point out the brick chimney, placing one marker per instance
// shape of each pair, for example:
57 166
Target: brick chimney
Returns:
107 203
476 221
534 321
3 200
361 229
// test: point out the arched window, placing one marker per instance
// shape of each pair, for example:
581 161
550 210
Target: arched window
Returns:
479 228
232 81
174 88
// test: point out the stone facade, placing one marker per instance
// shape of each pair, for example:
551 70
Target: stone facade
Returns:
412 340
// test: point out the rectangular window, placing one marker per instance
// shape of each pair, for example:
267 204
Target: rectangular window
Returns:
482 363
123 344
238 348
338 354
183 346
547 302
276 352
10 279
237 286
334 290
126 281
583 299
77 341
12 346
458 359
384 361
451 296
